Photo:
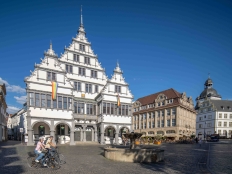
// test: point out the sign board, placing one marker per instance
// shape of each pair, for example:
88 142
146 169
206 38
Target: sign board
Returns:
21 130
26 139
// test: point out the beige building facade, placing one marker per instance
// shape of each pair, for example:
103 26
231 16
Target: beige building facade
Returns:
167 113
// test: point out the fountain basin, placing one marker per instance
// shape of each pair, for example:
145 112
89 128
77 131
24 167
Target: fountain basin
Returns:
134 155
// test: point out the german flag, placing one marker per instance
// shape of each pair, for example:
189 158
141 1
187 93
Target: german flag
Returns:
54 90
118 102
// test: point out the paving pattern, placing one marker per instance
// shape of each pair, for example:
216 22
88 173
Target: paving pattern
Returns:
89 159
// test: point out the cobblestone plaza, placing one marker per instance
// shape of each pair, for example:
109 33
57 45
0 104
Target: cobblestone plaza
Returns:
179 158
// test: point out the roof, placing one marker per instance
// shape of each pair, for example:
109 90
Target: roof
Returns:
220 104
169 93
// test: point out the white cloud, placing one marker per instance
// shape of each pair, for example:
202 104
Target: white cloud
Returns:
21 99
3 81
12 109
13 88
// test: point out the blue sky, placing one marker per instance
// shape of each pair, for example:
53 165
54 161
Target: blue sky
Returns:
159 44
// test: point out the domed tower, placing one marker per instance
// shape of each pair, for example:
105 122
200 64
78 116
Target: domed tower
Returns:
209 92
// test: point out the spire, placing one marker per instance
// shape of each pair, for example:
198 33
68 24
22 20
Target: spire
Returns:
81 29
117 69
81 17
50 45
208 75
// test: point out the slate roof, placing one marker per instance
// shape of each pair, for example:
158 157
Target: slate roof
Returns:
220 104
169 93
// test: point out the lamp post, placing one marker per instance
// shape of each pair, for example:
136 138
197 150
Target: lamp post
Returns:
204 131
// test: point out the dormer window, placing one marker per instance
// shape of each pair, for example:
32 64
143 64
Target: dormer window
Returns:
222 107
117 89
229 107
82 47
87 60
76 58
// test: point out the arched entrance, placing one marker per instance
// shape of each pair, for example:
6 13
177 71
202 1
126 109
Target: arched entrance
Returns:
123 130
89 133
109 134
62 133
40 129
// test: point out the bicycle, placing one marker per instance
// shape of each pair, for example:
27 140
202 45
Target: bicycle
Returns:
60 156
50 160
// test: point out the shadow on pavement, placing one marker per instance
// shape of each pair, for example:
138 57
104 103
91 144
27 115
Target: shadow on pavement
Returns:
9 158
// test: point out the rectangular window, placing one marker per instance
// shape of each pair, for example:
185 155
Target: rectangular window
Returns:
59 102
49 76
220 115
70 103
53 76
152 115
200 118
81 71
37 102
123 109
153 124
200 125
64 102
168 123
77 86
117 89
168 112
89 109
96 88
230 124
119 110
230 116
158 123
76 58
88 88
173 111
108 108
112 109
162 123
144 116
173 122
81 108
225 124
126 109
94 74
87 60
145 125
224 132
31 98
75 107
115 109
94 109
162 113
158 113
219 132
82 47
225 115
69 68
208 124
219 123
104 108
43 100
210 117
54 104
48 101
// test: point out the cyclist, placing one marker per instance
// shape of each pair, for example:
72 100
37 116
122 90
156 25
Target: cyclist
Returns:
49 143
38 149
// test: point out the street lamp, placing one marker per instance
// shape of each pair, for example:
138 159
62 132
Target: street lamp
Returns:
204 131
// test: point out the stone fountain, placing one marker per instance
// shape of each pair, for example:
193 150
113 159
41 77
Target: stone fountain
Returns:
134 154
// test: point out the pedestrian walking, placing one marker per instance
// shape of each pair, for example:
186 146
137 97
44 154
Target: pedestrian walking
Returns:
200 141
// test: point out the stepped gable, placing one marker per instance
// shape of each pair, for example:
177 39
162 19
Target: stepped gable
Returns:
169 93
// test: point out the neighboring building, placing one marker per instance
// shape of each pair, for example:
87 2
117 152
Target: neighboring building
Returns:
17 121
167 113
77 108
3 113
213 114
9 127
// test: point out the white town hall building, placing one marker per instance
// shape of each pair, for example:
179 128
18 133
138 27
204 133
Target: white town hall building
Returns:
71 98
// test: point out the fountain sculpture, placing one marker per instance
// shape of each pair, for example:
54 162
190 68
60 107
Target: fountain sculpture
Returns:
134 154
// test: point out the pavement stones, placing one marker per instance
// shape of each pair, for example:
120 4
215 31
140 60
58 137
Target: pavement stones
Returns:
179 158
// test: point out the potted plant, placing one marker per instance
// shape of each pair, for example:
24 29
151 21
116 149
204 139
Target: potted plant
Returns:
158 139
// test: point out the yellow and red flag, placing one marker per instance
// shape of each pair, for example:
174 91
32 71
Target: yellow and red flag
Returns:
118 102
54 90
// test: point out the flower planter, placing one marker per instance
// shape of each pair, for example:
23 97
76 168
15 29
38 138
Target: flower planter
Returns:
157 142
137 143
